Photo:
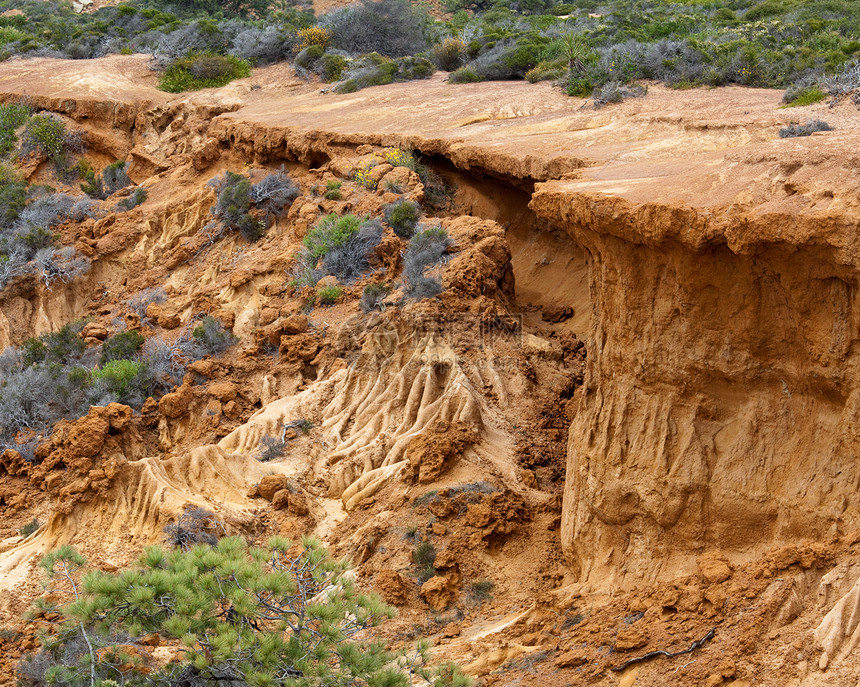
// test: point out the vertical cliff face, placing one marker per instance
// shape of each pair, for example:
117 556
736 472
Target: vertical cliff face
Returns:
721 403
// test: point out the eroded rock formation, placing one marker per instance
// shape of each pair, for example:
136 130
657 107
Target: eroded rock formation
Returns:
710 269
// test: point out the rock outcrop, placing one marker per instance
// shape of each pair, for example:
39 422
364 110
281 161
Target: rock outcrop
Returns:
721 398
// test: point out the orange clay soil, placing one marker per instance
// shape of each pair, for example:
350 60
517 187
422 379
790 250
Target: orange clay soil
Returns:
632 409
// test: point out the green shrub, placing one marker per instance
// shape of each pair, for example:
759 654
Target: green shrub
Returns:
92 184
135 199
343 244
309 303
233 207
545 71
372 296
11 118
423 556
13 194
331 231
36 238
329 294
579 87
33 351
464 75
332 67
112 179
48 134
119 377
65 343
29 528
122 346
211 336
450 54
402 216
259 616
332 190
202 71
237 196
525 55
115 176
351 259
376 70
308 57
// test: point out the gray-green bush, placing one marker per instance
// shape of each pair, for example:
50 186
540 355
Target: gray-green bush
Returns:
211 336
797 130
340 246
426 250
394 28
372 296
237 197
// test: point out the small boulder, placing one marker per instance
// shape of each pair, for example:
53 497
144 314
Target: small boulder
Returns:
714 567
232 410
268 315
439 591
204 368
119 416
271 484
223 391
392 587
299 504
53 481
176 404
630 638
327 281
87 435
295 324
157 314
94 330
281 499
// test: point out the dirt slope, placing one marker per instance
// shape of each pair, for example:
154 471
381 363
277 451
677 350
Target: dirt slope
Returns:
709 267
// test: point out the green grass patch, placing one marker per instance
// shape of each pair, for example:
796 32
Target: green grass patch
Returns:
203 71
329 294
809 96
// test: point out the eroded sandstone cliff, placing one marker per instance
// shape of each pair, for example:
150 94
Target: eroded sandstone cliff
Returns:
709 266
